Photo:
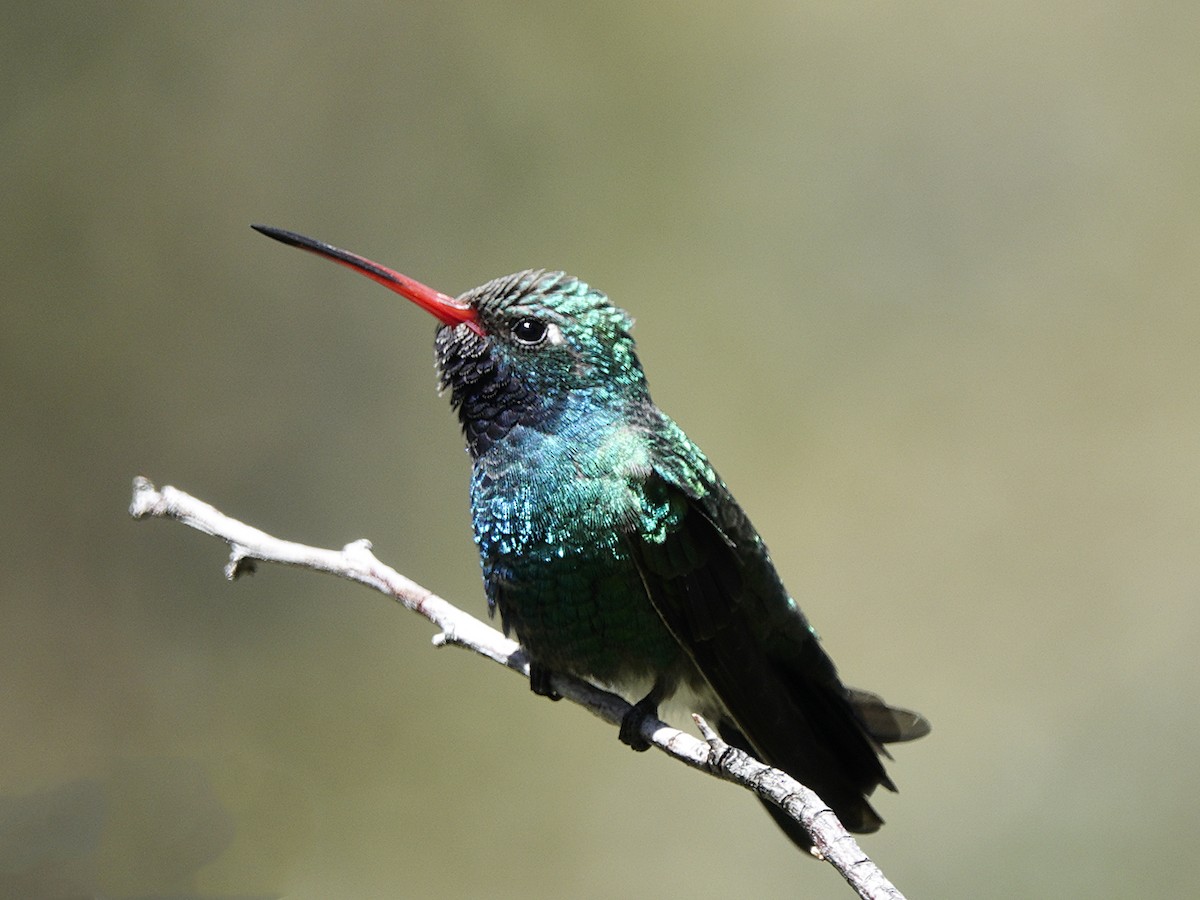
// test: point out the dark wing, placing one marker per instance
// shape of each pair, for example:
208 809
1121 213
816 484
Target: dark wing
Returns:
712 582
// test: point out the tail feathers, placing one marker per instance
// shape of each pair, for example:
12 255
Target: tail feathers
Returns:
861 818
887 724
881 723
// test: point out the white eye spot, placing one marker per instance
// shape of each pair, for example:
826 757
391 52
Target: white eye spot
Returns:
554 334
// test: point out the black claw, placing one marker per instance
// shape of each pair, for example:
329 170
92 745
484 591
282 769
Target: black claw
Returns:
631 725
539 682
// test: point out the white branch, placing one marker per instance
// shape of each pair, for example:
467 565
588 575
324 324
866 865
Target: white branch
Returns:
356 562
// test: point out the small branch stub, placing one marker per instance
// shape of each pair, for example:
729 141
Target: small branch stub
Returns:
356 562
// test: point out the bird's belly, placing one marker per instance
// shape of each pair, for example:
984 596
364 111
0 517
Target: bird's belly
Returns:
586 614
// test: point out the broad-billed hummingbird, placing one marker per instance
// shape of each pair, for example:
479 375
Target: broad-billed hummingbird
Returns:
614 551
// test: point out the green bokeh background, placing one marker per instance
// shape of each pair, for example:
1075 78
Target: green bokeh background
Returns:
922 279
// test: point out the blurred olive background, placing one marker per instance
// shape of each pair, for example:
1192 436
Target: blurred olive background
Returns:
921 278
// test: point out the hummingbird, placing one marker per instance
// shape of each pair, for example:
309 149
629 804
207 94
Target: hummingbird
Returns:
614 552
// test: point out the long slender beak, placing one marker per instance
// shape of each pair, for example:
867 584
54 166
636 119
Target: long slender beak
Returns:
445 308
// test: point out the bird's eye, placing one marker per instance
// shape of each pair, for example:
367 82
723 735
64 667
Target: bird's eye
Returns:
529 331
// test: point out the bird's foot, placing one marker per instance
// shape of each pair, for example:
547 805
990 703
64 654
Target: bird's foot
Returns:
539 681
631 724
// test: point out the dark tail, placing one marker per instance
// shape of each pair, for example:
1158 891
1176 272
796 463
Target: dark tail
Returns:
883 724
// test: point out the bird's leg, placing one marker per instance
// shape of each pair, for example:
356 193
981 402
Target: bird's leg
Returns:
539 681
631 723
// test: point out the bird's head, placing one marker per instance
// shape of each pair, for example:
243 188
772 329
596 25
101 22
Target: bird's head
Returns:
519 350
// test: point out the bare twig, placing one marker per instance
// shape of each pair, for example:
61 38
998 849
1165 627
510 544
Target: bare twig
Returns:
356 562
